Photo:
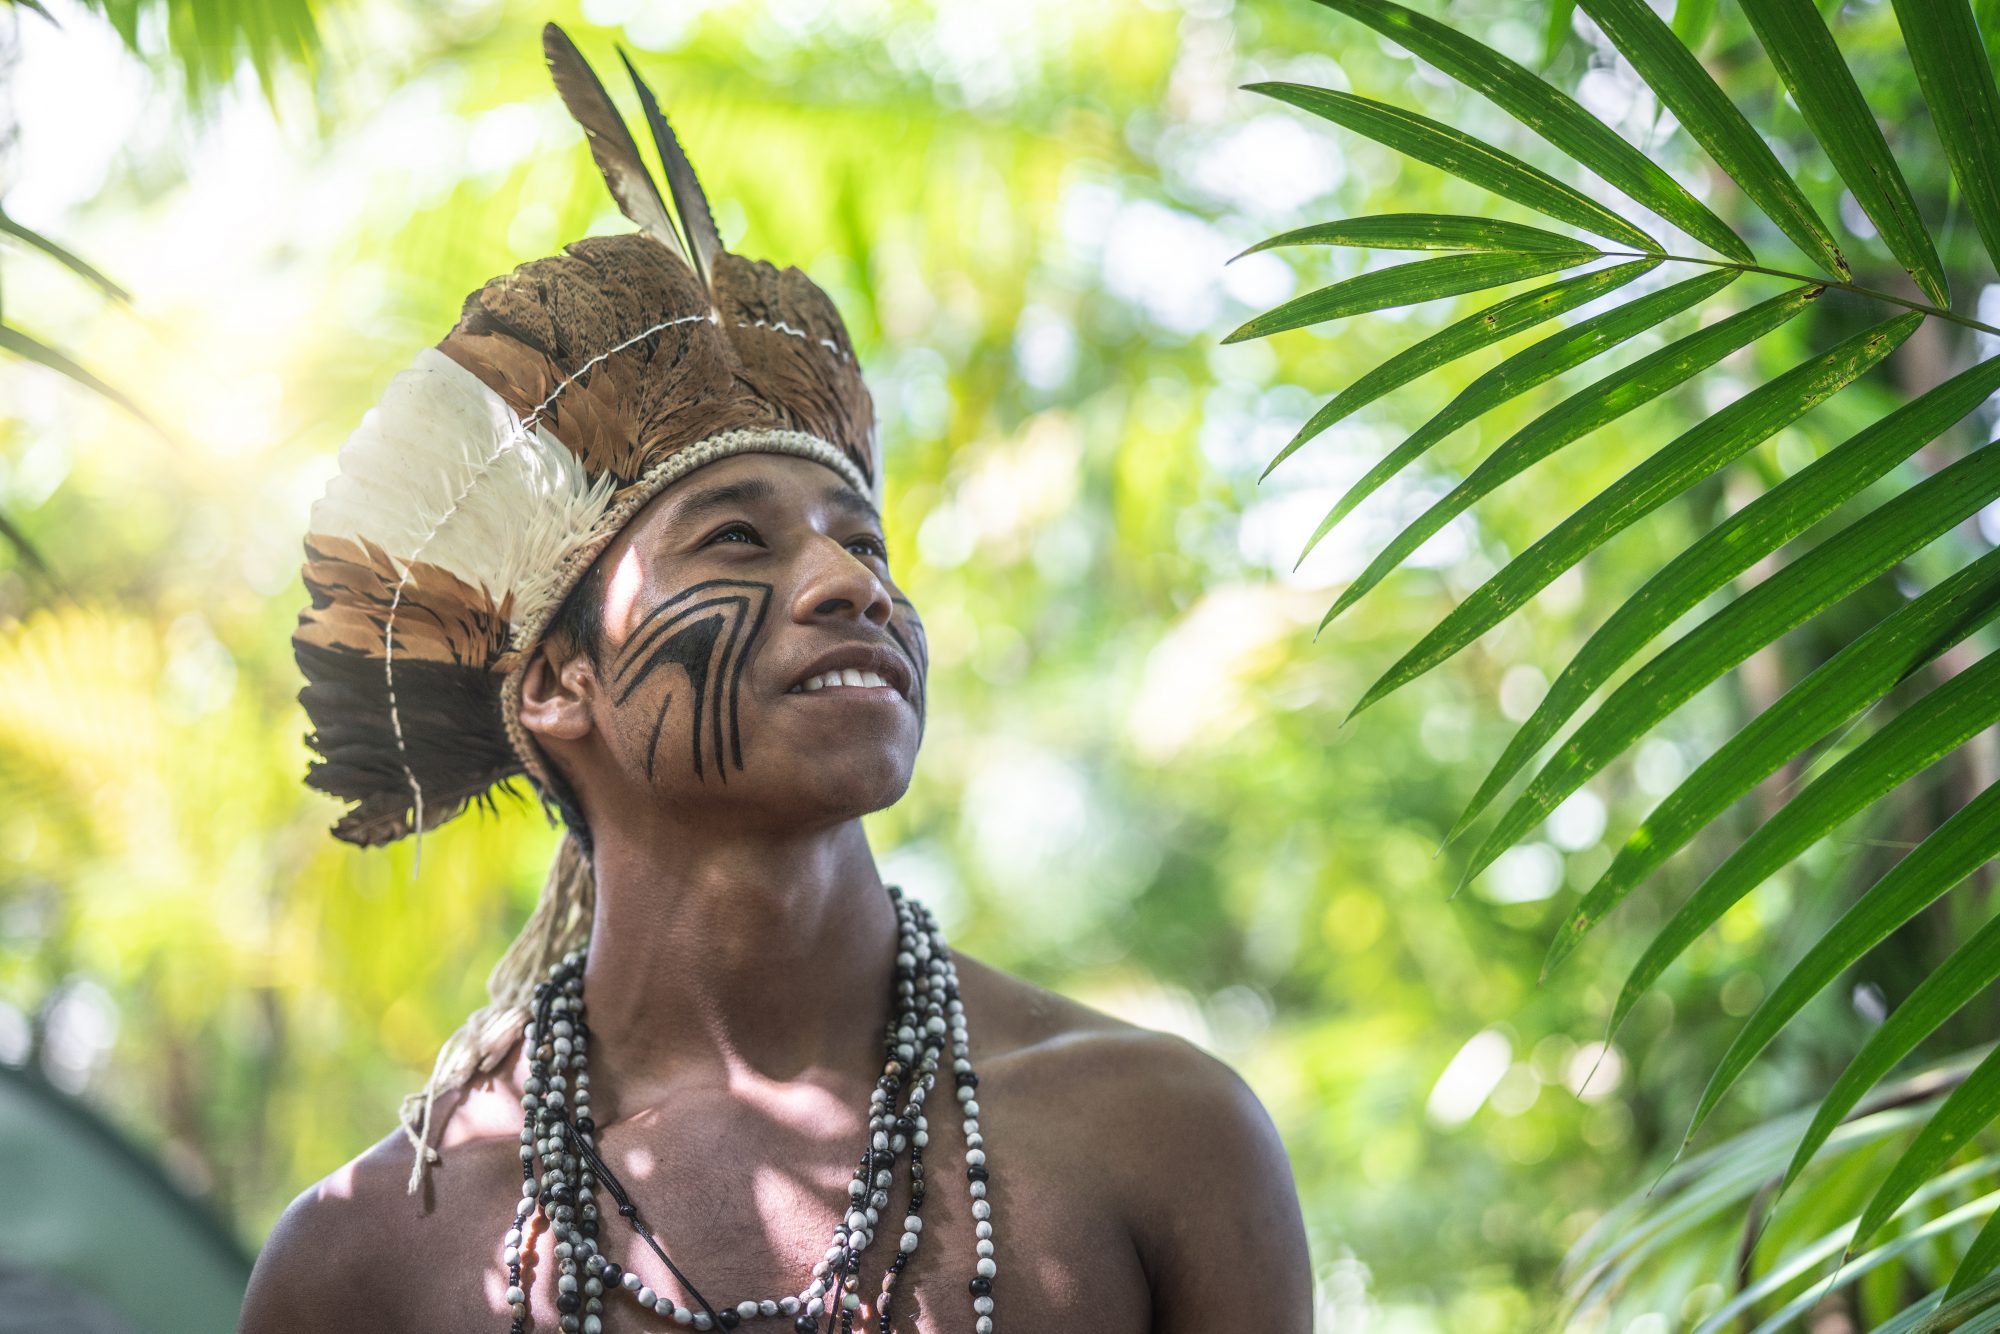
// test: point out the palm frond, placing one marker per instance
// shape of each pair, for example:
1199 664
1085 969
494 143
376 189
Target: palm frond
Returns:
69 259
1908 498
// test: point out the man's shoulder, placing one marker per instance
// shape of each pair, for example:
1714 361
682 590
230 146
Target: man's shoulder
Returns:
1154 1122
331 1234
1122 1073
360 1224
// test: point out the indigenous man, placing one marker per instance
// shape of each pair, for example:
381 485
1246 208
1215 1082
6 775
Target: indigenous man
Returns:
618 534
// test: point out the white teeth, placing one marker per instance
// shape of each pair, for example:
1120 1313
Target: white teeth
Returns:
846 676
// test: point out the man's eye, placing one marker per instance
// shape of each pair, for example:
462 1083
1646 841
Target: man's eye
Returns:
870 546
739 532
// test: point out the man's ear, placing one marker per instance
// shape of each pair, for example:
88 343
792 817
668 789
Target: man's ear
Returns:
555 701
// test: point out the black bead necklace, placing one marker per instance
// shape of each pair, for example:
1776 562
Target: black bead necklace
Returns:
557 1133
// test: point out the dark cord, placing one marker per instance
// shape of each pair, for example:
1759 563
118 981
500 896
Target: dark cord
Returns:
611 1182
631 1213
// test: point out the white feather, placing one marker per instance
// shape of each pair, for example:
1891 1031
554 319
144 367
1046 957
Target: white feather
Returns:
442 471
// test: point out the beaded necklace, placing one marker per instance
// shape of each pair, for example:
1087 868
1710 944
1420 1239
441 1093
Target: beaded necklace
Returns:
558 1133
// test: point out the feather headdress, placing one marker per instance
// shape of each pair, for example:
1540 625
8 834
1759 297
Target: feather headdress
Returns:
471 500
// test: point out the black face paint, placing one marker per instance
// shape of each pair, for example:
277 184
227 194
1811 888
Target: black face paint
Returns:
706 630
916 647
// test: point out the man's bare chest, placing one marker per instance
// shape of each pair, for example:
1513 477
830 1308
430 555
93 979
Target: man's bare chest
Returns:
744 1196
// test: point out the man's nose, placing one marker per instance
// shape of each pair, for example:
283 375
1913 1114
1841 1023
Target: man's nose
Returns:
835 584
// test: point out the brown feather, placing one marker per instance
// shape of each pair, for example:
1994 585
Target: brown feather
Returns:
611 144
794 352
353 583
523 333
689 201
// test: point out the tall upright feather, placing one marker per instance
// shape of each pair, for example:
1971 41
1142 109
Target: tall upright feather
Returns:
689 201
611 143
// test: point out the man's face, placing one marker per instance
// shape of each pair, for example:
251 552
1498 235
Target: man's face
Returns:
758 663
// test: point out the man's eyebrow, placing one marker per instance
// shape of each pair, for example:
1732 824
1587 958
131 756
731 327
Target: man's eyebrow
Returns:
730 495
849 501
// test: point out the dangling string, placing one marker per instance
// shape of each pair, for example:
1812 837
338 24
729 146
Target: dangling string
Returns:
559 924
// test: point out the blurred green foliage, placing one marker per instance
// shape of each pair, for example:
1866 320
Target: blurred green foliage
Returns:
1135 787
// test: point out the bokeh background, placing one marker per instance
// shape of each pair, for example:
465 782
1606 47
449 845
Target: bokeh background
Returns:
1136 788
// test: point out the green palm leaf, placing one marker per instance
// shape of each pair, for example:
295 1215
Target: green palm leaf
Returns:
1950 57
67 258
1707 114
1979 1259
1588 408
1796 38
1692 19
1407 284
1554 115
1741 540
1461 155
1692 455
12 535
1859 673
1720 1184
1497 322
30 349
1953 851
1824 1247
1980 1301
1914 740
1971 968
1424 231
1556 30
1957 82
1524 370
1970 1109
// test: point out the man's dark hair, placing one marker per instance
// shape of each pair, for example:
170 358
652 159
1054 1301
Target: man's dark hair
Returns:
578 625
576 628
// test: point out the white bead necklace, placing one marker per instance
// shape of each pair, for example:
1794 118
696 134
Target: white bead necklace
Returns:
558 1133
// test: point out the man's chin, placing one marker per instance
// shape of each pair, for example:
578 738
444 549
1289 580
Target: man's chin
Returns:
802 790
859 787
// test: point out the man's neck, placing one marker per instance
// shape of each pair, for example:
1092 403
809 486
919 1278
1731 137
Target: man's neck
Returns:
737 959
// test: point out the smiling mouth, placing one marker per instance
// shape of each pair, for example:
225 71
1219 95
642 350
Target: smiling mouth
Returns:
845 677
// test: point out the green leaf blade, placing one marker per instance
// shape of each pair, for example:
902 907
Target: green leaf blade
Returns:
75 263
1797 40
1914 740
1707 114
1979 1259
1691 21
1971 968
1550 113
1556 31
1462 155
1407 284
1953 851
1491 325
1744 538
1425 231
1559 352
1970 1109
1858 673
1699 452
1957 82
31 349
